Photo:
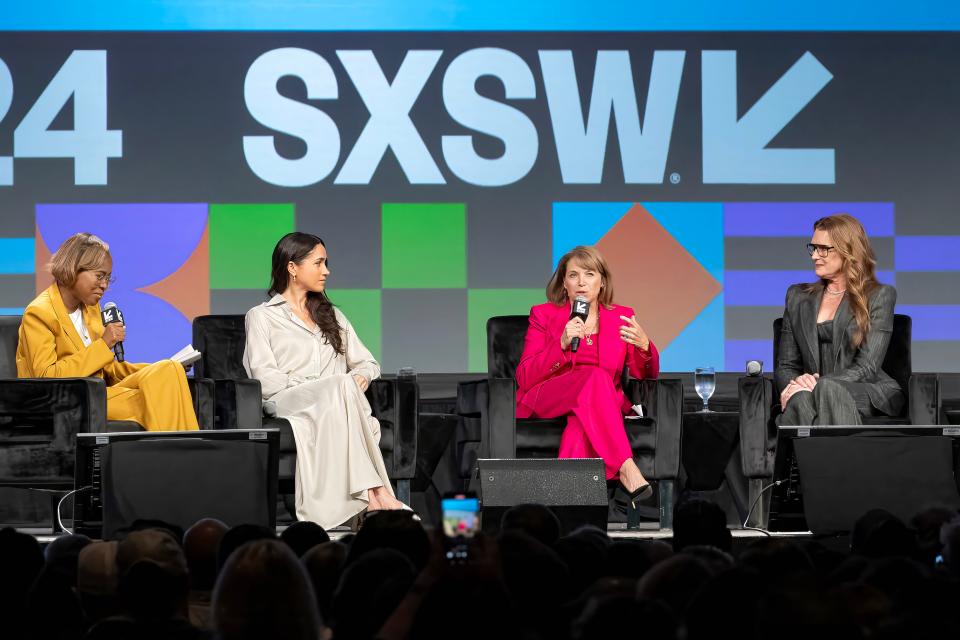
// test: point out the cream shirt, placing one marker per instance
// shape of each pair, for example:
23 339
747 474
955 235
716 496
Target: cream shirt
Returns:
281 352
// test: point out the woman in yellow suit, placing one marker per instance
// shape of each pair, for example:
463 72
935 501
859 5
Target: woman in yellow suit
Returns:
62 336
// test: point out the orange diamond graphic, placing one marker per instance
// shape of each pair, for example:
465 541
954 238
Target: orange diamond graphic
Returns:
655 275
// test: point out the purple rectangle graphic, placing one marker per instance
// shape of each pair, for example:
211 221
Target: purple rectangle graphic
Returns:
933 322
791 219
737 352
769 288
927 253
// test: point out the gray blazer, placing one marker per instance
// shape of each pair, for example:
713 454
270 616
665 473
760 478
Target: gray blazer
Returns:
800 349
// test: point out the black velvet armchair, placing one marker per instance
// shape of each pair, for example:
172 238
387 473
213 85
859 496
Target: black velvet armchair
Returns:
760 406
221 340
488 408
40 417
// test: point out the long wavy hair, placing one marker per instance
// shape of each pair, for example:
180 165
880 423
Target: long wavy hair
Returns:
294 247
859 267
590 258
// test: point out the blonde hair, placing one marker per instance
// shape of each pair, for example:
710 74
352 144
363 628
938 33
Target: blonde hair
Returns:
589 258
80 252
859 266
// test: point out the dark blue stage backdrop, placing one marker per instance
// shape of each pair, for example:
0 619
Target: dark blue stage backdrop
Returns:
448 170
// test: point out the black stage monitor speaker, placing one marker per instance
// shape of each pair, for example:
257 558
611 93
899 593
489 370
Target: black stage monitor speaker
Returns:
175 476
832 475
574 489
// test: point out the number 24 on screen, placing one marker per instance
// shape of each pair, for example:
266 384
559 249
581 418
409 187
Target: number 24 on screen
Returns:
84 77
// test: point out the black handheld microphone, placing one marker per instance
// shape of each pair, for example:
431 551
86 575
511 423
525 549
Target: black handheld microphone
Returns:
579 309
110 314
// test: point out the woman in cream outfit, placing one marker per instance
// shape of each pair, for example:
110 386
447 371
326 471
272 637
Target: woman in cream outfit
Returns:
313 368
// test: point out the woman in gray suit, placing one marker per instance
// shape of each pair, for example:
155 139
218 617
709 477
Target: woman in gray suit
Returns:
835 333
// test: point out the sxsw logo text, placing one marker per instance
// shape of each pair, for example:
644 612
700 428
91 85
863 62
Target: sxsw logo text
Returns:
580 111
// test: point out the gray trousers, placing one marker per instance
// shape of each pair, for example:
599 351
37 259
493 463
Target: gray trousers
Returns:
832 402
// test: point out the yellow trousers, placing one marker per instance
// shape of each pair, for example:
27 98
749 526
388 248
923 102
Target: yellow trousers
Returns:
156 396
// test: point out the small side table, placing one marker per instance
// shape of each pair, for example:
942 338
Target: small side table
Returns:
710 459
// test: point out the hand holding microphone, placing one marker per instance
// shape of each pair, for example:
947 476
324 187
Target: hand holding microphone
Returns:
114 331
579 312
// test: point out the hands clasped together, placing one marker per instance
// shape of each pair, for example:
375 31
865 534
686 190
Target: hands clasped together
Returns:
805 382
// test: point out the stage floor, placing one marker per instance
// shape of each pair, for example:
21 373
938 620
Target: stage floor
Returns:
615 531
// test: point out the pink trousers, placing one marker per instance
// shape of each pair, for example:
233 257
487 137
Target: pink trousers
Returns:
594 409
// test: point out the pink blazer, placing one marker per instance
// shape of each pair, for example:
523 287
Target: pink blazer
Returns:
543 358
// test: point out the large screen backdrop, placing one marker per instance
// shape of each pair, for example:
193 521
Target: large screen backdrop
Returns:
447 172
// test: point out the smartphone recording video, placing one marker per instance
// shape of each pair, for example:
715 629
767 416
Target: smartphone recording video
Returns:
460 515
461 521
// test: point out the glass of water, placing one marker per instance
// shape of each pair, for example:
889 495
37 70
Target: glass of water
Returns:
705 381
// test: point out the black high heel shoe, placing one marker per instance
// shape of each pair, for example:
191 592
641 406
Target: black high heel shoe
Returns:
642 492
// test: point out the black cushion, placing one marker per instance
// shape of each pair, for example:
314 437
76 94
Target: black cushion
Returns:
542 434
123 426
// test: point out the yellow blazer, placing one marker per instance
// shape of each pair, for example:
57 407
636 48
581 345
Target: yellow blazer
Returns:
50 346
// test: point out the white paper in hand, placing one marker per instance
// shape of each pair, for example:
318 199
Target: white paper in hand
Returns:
187 355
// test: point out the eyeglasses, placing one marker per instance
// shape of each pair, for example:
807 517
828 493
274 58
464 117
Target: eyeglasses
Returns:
103 277
821 249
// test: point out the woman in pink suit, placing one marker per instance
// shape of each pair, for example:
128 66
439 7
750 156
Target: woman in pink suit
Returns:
584 385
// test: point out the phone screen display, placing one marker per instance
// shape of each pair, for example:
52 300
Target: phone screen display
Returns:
460 516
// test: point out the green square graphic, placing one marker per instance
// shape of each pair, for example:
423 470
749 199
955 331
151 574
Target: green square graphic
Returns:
363 309
242 237
424 245
486 303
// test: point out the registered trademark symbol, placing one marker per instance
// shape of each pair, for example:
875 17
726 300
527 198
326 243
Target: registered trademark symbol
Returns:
674 178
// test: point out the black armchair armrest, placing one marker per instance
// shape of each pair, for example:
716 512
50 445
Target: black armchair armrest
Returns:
94 390
758 433
238 403
493 402
396 399
499 422
203 393
934 398
407 428
924 399
472 397
473 430
758 442
662 402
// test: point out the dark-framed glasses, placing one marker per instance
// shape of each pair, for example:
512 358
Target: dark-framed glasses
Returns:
104 278
821 249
